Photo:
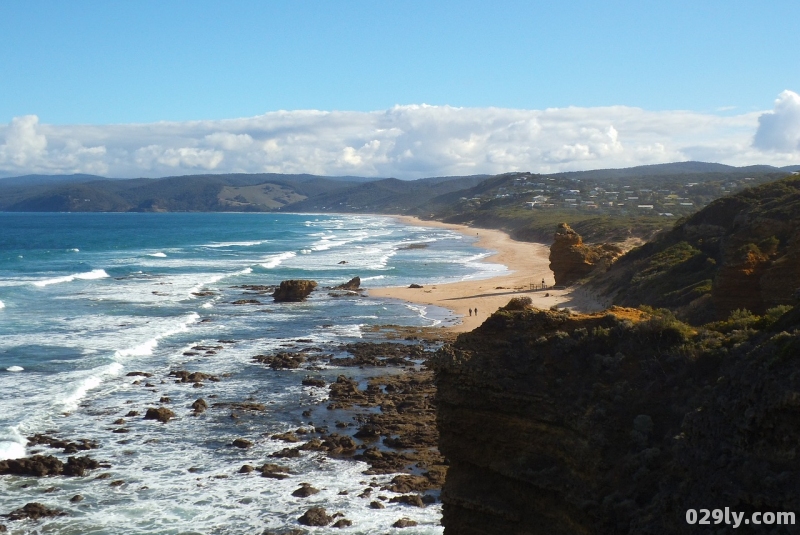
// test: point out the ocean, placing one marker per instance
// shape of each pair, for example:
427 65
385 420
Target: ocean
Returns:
86 299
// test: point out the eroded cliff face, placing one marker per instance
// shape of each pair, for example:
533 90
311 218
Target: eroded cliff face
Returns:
615 423
571 259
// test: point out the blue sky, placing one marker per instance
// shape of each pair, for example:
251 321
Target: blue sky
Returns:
145 88
121 62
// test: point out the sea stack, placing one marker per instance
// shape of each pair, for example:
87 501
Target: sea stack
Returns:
294 290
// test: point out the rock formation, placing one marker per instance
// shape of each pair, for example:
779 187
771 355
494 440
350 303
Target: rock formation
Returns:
615 423
294 290
571 259
352 284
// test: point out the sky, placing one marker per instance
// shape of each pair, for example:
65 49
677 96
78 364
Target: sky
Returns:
406 88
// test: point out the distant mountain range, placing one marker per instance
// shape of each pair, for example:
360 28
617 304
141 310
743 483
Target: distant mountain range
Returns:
300 192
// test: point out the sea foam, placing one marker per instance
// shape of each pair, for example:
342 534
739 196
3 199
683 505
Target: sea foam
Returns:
94 274
276 260
15 369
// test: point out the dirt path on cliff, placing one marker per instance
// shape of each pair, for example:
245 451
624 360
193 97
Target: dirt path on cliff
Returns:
528 263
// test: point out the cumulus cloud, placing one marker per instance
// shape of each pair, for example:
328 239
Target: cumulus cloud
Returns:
406 141
779 129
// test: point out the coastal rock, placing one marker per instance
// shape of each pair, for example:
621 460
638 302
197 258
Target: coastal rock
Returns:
404 523
199 406
242 443
615 422
342 523
316 516
37 465
185 376
294 290
162 414
281 361
571 259
305 491
34 511
409 499
274 471
352 284
415 285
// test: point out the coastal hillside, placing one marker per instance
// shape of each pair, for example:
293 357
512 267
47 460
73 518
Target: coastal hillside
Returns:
740 252
617 422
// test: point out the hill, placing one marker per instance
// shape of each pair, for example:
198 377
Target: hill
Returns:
740 252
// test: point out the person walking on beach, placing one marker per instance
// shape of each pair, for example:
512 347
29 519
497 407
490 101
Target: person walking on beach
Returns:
470 312
476 311
543 286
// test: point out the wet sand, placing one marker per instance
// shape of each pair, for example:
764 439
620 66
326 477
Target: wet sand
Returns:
528 263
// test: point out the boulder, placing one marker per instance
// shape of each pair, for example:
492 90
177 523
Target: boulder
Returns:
305 491
242 443
199 406
404 523
162 414
34 511
352 284
316 516
294 290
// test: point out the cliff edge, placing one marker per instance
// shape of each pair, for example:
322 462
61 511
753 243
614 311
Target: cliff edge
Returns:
617 422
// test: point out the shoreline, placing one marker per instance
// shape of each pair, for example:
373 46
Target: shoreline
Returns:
527 262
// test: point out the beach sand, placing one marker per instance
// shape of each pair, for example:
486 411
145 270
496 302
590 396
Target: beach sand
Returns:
528 263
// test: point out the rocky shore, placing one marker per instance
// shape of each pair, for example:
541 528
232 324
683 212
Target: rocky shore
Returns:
380 410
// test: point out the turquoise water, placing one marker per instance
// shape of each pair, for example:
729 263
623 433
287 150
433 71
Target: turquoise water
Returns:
87 298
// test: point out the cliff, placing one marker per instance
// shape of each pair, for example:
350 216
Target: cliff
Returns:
741 251
617 422
571 259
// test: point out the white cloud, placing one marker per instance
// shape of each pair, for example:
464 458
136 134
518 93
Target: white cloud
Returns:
779 129
24 145
407 141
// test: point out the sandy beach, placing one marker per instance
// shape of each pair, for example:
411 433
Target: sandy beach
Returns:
528 264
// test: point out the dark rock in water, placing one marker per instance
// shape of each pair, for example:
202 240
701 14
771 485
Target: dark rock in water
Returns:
37 465
281 361
199 406
76 499
376 505
404 523
165 399
274 471
132 414
246 469
286 453
242 443
246 302
316 516
342 523
3 529
352 284
342 262
68 446
294 290
305 491
414 285
162 414
409 499
289 436
77 466
138 374
34 511
185 376
313 381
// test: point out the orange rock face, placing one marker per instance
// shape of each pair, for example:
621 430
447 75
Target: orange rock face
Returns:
571 259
